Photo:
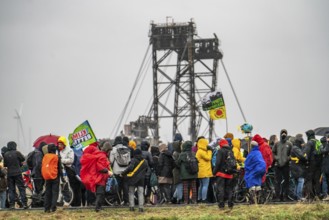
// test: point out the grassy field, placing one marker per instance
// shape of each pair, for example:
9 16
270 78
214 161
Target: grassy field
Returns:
287 211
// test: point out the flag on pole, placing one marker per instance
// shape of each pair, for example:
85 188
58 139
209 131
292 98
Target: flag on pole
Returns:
82 136
214 103
218 113
213 100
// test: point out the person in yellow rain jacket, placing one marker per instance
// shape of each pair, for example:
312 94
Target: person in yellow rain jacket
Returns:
204 155
237 153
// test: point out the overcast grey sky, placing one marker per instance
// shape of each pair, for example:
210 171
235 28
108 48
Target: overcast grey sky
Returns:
69 61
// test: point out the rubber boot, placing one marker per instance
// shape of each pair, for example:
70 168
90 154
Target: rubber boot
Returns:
258 195
252 195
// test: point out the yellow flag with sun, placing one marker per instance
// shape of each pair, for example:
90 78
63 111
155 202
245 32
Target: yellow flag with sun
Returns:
218 113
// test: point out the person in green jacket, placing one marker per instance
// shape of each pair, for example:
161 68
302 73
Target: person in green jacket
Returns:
188 179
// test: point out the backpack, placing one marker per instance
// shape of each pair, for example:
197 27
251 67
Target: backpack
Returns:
123 156
318 147
191 164
76 162
213 158
230 163
153 179
29 160
49 167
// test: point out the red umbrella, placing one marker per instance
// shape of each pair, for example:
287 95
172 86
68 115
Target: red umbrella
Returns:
50 138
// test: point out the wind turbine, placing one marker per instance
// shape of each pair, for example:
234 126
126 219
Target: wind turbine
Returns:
20 125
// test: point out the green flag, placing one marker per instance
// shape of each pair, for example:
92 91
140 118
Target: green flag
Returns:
213 100
82 136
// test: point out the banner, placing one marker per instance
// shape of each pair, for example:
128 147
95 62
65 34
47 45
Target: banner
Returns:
218 113
82 136
212 101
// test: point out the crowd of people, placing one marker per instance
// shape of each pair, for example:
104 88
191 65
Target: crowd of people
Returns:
186 172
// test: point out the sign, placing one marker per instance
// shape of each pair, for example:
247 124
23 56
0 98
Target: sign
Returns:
212 101
82 136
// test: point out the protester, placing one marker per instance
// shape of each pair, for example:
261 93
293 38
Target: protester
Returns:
236 143
204 155
35 167
313 167
212 190
145 145
3 184
51 172
34 161
245 145
165 175
77 187
13 160
255 168
4 149
136 172
178 139
229 137
177 182
120 158
177 186
195 147
67 159
188 178
273 139
95 171
297 166
125 142
266 152
224 179
155 156
325 164
281 152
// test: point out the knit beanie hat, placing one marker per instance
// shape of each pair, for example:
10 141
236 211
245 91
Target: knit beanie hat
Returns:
132 144
253 144
125 141
229 141
62 140
106 146
229 135
117 140
223 143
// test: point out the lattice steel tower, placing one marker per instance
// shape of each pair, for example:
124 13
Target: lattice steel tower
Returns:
192 74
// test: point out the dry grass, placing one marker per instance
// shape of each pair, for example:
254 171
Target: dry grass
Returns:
287 211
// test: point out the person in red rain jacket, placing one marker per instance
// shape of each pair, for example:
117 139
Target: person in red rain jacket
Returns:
266 152
95 170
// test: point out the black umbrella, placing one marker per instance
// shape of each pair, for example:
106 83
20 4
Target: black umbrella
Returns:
321 131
